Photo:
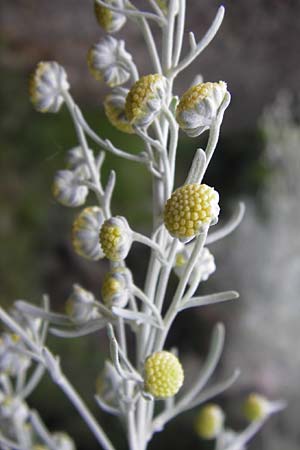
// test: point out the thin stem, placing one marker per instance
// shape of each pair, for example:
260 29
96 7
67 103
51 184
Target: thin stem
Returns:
205 41
148 36
131 13
179 31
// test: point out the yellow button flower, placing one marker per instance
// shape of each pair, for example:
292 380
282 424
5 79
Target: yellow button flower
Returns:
209 422
163 374
145 99
198 107
115 238
189 209
256 407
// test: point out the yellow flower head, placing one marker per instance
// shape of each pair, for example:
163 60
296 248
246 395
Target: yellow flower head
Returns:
163 374
85 233
109 20
114 106
189 209
209 422
256 407
198 107
46 85
115 238
145 99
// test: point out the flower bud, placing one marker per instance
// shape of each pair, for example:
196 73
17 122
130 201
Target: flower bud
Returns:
256 407
63 441
13 408
67 189
12 360
145 99
116 287
199 106
114 106
190 209
46 86
109 20
79 306
209 422
163 374
108 383
109 61
85 233
77 162
204 267
115 238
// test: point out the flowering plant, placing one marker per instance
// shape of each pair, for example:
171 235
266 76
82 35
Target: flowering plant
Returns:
132 383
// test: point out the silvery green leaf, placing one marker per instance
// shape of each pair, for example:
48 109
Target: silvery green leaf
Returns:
197 168
36 311
134 316
209 299
228 228
86 329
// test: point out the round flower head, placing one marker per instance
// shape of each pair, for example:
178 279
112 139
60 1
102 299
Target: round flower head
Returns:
204 266
67 189
109 20
114 106
163 374
256 407
108 61
209 422
63 441
46 86
190 209
199 106
116 286
115 238
85 233
79 306
145 99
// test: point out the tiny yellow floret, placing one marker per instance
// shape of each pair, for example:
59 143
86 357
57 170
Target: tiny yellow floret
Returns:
189 208
209 422
163 374
256 407
109 239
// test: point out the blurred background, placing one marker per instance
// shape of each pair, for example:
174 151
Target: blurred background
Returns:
257 161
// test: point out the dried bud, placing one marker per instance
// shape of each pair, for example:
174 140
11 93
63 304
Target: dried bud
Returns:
68 190
46 86
85 233
163 374
114 106
109 61
209 422
79 306
109 20
115 238
116 287
145 99
199 106
190 209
